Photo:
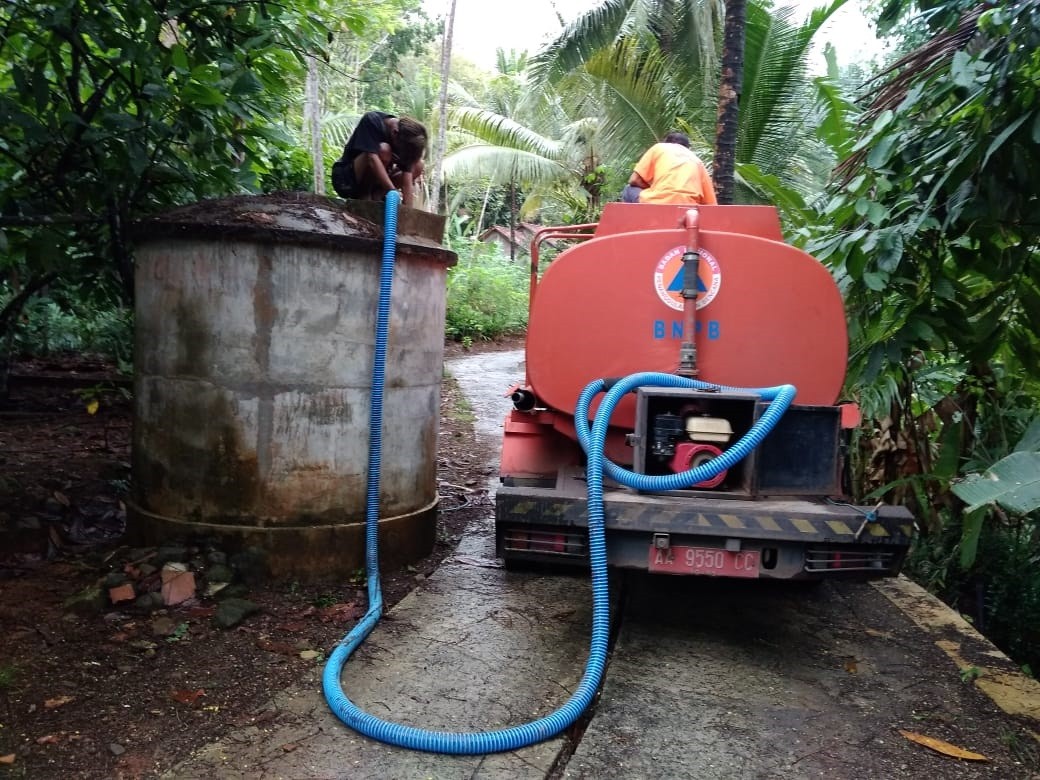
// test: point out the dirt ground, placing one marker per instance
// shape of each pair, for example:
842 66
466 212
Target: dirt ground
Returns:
92 690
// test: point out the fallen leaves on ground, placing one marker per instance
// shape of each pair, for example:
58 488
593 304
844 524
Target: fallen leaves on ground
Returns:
943 747
340 613
188 697
271 646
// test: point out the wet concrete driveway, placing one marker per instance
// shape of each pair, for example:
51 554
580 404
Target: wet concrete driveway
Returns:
706 679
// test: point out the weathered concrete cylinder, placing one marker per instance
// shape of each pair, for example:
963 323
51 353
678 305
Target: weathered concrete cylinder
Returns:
255 335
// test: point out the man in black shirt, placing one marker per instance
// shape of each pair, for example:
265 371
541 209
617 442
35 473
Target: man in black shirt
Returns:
383 153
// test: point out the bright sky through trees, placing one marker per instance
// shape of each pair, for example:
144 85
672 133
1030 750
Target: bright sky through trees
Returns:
481 26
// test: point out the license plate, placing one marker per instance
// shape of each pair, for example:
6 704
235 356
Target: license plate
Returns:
704 560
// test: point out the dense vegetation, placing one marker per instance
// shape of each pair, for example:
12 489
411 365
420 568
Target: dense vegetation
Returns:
110 112
931 229
914 180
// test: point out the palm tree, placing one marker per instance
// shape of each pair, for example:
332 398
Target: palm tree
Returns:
524 139
501 151
442 110
652 66
730 85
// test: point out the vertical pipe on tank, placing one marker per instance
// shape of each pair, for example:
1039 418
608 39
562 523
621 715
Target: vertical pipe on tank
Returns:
691 272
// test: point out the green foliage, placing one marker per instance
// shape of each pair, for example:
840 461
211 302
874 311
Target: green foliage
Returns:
8 676
1001 592
645 68
1012 482
109 112
933 232
186 109
408 34
325 600
530 149
179 633
48 327
372 68
502 149
970 674
487 294
286 170
462 411
930 230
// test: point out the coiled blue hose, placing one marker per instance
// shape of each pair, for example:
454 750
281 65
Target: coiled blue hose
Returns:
479 743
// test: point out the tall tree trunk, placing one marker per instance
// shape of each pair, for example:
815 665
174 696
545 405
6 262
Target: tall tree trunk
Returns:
483 211
729 99
512 218
312 119
442 112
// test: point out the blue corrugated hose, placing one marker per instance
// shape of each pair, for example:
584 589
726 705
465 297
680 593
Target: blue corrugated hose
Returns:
479 743
779 397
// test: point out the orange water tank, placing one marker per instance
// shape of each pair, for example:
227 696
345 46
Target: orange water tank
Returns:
767 313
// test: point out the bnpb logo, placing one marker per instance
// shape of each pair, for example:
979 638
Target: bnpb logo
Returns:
668 278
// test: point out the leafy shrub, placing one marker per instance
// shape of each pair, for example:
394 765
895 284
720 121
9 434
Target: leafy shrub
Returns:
487 294
1000 594
47 327
280 170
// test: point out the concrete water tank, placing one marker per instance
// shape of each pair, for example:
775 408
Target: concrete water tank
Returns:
255 333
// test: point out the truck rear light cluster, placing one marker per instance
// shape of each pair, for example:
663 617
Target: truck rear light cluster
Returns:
822 559
566 544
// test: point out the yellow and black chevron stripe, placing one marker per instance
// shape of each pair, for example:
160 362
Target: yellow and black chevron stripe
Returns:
822 522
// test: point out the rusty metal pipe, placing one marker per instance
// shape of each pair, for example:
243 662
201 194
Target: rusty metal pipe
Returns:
691 273
544 234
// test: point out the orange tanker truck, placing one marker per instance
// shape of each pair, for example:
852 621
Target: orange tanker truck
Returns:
722 353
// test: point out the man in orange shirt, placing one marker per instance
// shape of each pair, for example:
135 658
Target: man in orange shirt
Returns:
669 172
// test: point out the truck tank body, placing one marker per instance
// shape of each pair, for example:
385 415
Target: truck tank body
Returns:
766 314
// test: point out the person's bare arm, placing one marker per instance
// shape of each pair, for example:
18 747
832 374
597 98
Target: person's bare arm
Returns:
378 171
407 188
638 181
410 179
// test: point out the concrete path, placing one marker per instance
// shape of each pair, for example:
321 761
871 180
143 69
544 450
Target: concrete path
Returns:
706 680
744 680
475 648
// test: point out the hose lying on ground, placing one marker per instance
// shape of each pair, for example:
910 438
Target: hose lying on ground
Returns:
479 743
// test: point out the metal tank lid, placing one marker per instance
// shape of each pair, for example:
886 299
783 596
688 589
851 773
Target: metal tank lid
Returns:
300 217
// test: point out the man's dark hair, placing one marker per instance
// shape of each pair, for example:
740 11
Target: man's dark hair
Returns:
411 140
678 138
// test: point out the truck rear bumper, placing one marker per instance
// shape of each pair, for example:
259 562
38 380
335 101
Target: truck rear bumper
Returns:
795 538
